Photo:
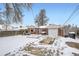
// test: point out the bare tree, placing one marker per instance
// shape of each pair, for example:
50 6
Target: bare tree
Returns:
13 12
41 19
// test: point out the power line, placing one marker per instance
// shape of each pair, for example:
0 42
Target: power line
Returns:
76 9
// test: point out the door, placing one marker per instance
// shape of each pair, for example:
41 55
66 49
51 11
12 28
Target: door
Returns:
53 32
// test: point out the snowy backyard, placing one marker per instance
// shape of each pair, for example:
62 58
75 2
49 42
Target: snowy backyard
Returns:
20 46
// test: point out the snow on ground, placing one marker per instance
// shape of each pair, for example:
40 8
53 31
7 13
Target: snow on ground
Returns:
14 44
11 43
60 44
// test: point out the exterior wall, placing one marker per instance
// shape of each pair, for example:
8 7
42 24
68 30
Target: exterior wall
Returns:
43 30
31 30
38 30
78 32
60 31
53 32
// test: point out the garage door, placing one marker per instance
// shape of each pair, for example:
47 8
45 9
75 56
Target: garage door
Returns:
53 32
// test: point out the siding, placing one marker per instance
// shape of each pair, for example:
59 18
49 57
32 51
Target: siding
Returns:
60 32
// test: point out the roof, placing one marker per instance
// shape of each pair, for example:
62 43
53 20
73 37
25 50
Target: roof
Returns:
43 27
71 32
50 26
31 26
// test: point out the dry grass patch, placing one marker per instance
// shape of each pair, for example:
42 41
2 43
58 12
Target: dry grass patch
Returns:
75 54
35 50
73 44
47 40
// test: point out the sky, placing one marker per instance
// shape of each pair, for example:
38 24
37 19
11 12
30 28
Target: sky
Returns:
57 13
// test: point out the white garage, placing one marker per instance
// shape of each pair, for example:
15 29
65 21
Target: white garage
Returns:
53 32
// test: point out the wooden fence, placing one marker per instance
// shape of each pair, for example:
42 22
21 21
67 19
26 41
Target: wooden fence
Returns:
10 33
